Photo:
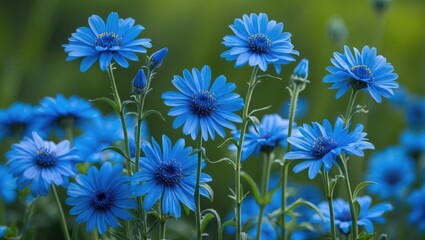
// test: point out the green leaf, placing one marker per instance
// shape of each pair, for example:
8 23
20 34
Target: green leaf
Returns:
149 112
297 203
205 220
260 109
215 215
365 236
334 181
255 123
108 101
152 226
209 190
360 186
356 208
264 76
186 209
118 235
117 150
253 186
125 103
226 160
231 140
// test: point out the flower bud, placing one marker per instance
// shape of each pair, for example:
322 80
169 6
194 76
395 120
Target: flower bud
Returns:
157 58
380 6
139 82
301 71
337 30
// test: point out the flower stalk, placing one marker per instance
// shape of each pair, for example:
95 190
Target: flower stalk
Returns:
61 214
197 191
265 178
329 197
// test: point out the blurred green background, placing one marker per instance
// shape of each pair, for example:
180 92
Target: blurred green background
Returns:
33 61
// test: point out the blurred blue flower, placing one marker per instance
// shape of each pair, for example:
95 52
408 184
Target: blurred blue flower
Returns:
40 163
364 71
169 174
258 42
115 40
59 113
157 58
400 98
415 113
417 204
300 111
100 197
3 230
200 105
301 70
19 119
8 185
320 144
342 216
393 170
272 133
413 141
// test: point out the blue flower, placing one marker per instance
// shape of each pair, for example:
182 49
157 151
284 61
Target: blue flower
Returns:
114 40
342 214
200 105
320 145
157 58
19 119
365 71
139 82
393 170
59 113
272 133
40 163
300 111
415 113
417 204
8 185
301 71
3 230
258 42
100 197
169 174
413 141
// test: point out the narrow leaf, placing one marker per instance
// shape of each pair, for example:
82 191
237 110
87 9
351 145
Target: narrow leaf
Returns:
360 187
260 109
149 112
108 101
205 220
117 150
253 186
231 140
209 190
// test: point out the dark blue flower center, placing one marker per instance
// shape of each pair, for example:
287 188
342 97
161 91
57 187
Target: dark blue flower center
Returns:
323 145
268 144
362 72
108 40
259 43
44 158
169 173
203 104
392 177
344 216
102 201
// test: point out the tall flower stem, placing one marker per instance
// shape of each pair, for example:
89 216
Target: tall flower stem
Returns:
61 214
197 192
245 118
294 98
27 218
329 197
162 222
265 178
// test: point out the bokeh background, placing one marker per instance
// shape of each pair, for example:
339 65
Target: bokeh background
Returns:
33 62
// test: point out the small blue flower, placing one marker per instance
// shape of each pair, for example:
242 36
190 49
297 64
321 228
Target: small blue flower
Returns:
417 204
8 185
19 119
300 111
157 58
258 42
272 133
3 230
114 40
320 145
100 197
393 170
415 113
40 163
170 174
413 141
301 71
202 105
342 216
59 113
364 70
139 82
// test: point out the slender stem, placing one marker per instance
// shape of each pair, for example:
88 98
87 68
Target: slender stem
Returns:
238 190
350 107
26 219
329 197
95 235
285 168
162 228
61 214
350 198
264 190
197 192
68 134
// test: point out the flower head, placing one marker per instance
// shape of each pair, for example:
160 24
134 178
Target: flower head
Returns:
393 170
40 163
115 40
139 82
168 173
301 71
365 71
157 58
415 113
417 204
258 42
8 185
202 106
320 144
100 197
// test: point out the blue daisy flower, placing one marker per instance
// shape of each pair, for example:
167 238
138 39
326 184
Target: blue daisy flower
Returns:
417 204
168 173
342 214
200 105
415 113
320 145
59 113
8 185
40 163
115 40
413 141
364 70
272 133
19 119
100 197
393 170
258 42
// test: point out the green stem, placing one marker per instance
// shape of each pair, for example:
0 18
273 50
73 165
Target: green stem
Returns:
294 98
95 235
197 192
264 191
350 198
350 107
162 228
329 197
26 220
238 189
61 214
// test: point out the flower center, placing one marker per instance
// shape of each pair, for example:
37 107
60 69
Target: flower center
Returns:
102 201
169 173
392 177
363 72
45 159
268 144
66 121
345 215
323 145
203 104
108 40
259 43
